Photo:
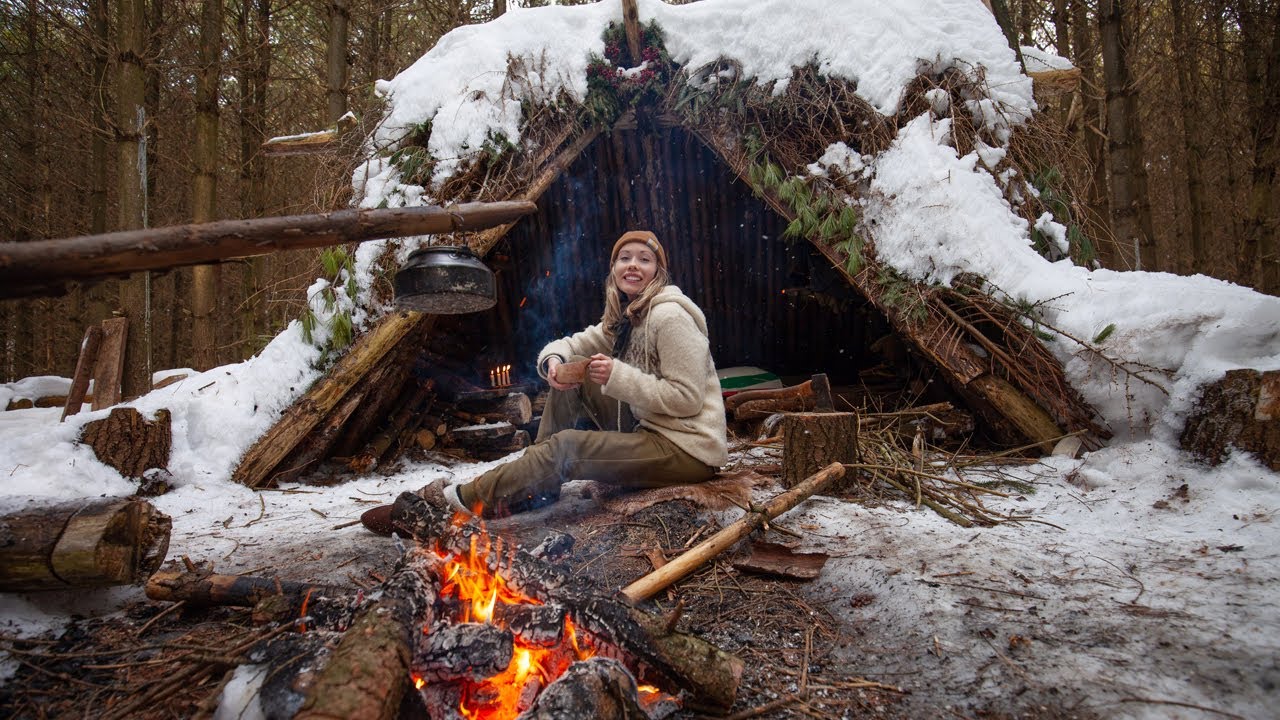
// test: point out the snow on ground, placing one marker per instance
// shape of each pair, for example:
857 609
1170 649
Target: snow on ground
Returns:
1143 595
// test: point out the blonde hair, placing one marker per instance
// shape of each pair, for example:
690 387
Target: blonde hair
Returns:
637 308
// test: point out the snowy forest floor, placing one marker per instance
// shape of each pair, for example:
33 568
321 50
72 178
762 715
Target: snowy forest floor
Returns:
1142 593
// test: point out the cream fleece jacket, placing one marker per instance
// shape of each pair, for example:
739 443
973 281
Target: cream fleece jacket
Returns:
666 375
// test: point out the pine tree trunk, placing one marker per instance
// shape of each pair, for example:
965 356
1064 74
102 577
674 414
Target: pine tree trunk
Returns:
1262 225
1084 50
254 28
206 279
130 182
1130 205
100 130
339 19
1192 151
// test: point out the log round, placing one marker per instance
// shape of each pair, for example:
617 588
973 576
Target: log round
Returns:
811 441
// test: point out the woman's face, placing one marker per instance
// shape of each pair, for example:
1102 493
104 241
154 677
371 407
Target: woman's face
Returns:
635 267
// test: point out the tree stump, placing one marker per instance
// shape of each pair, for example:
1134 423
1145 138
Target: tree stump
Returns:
1241 410
811 441
128 442
81 544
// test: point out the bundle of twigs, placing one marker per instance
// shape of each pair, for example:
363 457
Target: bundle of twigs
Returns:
892 466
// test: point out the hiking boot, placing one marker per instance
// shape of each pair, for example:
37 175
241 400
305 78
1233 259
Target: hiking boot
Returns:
378 520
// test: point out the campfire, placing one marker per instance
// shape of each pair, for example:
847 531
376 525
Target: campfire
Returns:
492 648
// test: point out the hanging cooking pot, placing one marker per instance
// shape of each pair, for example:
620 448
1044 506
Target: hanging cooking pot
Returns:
445 280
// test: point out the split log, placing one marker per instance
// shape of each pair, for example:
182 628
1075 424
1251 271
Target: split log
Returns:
708 675
658 580
108 370
45 267
84 371
208 589
368 673
764 407
425 439
261 459
811 441
515 408
802 390
130 443
82 544
479 434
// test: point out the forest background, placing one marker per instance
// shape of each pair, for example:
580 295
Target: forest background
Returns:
125 114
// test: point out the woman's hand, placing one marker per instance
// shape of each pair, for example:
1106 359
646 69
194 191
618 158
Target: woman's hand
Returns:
552 364
600 368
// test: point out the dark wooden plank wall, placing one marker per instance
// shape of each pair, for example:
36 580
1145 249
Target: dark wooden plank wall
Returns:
725 248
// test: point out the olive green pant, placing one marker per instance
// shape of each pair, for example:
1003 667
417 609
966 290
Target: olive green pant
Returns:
632 457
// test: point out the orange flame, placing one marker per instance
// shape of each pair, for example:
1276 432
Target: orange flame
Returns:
481 591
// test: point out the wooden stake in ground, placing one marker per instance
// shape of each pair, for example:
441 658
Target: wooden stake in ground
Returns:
647 586
81 544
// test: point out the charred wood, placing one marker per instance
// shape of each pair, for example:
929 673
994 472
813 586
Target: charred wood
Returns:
598 688
541 625
368 674
462 651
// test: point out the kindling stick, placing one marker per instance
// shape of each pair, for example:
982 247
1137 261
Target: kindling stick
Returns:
647 586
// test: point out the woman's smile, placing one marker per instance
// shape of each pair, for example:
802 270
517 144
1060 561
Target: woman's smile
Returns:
635 267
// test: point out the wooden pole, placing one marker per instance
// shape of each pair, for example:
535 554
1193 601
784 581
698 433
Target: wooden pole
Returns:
631 23
647 586
44 267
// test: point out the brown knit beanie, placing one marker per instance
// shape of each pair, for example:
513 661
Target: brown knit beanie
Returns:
641 236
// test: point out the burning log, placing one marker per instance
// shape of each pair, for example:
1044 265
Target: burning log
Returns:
463 650
598 688
81 544
706 674
541 625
